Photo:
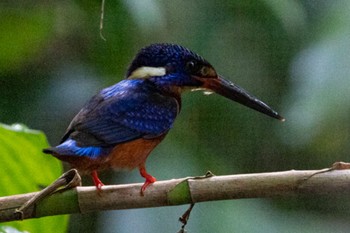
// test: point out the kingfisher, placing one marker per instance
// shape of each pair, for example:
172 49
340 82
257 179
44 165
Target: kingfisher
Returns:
120 126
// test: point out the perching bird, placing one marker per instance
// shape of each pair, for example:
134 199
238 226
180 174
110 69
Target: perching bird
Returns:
123 123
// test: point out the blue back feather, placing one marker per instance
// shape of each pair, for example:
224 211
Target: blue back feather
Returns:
126 111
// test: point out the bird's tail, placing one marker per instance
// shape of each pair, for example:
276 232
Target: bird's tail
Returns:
48 150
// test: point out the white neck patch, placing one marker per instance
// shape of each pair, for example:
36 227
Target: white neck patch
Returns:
147 72
205 90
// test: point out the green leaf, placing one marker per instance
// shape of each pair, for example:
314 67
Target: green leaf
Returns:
24 168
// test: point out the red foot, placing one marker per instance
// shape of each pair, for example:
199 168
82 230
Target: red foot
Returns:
98 183
149 179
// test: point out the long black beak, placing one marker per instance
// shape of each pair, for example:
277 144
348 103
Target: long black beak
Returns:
231 91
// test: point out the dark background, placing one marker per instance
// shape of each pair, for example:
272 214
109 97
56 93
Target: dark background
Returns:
294 55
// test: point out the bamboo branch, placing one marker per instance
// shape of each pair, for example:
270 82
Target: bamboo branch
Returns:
331 181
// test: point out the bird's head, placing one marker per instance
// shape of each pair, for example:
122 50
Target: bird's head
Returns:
172 66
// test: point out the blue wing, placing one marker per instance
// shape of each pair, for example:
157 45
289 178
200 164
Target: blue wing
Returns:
128 110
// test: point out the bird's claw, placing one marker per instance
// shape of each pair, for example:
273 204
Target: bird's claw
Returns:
97 182
149 180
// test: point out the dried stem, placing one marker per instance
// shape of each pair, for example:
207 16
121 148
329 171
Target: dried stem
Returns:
101 19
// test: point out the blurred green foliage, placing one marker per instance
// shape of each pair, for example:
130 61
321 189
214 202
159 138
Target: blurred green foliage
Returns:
291 54
24 169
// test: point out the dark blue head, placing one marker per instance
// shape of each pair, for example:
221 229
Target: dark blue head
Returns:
173 67
170 64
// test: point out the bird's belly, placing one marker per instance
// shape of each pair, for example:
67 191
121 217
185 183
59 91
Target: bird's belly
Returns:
130 155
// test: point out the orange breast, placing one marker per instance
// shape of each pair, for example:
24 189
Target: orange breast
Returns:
132 154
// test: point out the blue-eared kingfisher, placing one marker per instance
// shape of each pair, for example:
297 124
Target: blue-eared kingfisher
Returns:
120 126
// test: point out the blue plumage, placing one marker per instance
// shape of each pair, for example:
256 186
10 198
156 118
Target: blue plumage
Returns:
173 57
70 148
126 111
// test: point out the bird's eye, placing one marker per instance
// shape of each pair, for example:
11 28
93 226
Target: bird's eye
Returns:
190 66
